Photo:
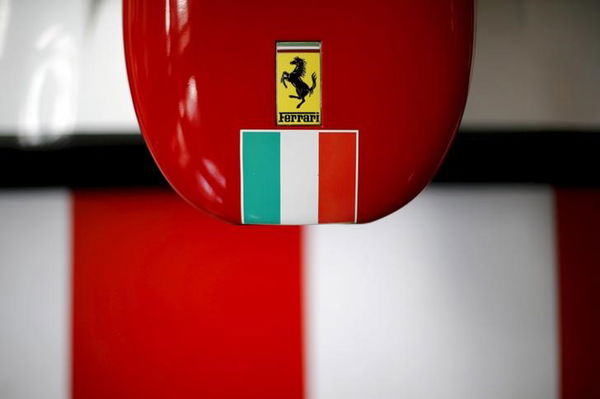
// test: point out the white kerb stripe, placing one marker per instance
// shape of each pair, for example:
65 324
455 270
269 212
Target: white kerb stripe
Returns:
453 297
299 177
35 291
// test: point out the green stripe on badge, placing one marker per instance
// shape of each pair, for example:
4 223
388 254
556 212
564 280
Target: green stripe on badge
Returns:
299 44
261 182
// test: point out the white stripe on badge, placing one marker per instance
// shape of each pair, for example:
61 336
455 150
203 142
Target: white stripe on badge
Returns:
298 48
299 177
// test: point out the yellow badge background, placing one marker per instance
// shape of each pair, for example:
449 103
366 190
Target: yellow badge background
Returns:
286 104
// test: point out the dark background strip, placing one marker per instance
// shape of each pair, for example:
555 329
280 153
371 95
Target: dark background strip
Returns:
564 158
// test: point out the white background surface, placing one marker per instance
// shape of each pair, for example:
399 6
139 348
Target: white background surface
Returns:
536 64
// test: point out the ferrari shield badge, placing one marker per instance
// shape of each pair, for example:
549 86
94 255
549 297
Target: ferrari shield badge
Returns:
298 83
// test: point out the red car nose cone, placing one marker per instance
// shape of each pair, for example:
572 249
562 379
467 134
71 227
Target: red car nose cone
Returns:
282 112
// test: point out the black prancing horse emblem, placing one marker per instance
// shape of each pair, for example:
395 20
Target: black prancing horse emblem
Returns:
295 78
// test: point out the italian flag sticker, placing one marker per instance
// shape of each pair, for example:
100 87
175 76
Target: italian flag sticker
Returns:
299 176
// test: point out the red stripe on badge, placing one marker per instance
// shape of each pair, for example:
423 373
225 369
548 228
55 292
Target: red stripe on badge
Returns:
578 225
337 177
171 303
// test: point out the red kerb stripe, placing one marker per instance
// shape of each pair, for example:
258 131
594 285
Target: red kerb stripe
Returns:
578 222
171 303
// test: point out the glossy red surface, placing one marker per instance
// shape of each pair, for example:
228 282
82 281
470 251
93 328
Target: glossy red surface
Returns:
397 70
